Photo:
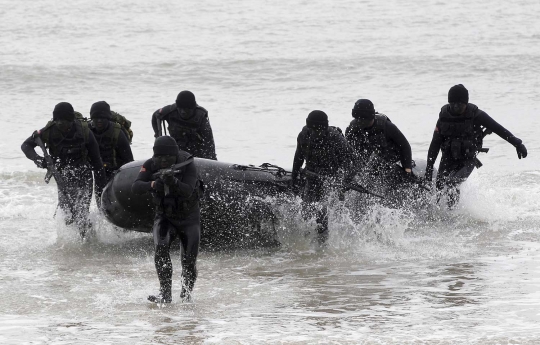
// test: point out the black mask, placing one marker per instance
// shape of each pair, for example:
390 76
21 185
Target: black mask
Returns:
364 123
186 113
64 125
164 161
100 123
458 108
318 133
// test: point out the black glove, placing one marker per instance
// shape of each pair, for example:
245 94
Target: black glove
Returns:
42 163
159 186
521 151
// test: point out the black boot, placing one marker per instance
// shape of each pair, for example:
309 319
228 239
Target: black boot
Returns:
322 229
189 275
164 271
164 295
322 237
185 295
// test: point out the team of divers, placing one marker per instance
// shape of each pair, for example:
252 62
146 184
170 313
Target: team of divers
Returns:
73 147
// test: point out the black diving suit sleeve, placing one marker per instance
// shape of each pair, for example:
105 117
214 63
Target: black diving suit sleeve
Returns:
434 148
402 143
298 160
208 139
28 148
143 182
123 149
483 119
155 123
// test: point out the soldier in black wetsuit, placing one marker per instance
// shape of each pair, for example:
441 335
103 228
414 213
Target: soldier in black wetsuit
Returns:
188 124
112 139
113 143
177 213
378 144
458 134
75 151
326 153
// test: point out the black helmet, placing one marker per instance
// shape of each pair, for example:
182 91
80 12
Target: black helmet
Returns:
100 109
64 111
317 119
363 109
186 99
458 94
165 145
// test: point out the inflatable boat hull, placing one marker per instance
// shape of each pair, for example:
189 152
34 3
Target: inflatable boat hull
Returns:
237 199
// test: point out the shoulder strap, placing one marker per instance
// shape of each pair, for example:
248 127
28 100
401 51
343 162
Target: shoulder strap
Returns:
184 156
380 121
46 131
116 133
184 163
200 115
85 130
473 108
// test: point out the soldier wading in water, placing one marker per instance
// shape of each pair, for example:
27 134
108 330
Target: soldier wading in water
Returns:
459 134
75 154
328 158
188 124
172 178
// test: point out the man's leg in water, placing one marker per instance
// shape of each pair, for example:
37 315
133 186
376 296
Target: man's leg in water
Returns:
190 235
65 200
312 207
322 220
451 175
74 198
83 197
164 234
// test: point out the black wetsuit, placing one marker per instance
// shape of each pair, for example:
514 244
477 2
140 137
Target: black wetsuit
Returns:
453 170
380 147
114 152
75 169
329 156
192 132
112 157
177 215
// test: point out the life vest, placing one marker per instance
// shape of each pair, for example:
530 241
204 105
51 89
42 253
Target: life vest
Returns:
108 141
322 156
67 150
461 140
184 129
373 140
174 206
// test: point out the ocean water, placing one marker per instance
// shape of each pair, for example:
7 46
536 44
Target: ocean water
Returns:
469 275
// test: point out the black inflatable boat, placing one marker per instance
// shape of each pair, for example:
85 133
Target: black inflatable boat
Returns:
236 205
